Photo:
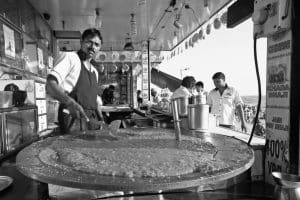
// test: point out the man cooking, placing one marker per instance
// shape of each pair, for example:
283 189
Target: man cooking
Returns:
223 100
73 81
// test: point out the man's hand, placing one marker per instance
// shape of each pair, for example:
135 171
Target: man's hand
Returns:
76 110
244 127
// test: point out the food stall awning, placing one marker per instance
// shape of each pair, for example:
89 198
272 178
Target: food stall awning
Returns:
163 80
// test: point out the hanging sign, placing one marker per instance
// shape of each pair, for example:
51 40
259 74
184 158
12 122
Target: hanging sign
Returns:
40 58
277 142
278 103
279 69
145 72
145 78
9 42
50 62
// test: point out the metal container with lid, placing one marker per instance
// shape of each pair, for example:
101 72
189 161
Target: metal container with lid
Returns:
200 99
182 103
198 117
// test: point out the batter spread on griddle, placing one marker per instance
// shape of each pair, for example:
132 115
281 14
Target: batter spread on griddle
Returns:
134 161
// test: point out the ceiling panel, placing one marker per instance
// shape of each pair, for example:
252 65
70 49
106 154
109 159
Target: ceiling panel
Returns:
77 15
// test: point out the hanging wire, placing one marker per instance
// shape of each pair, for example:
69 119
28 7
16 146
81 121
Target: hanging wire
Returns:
159 21
259 90
187 6
167 20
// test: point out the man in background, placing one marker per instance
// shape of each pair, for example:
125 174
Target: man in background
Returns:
200 88
108 95
155 98
186 88
223 100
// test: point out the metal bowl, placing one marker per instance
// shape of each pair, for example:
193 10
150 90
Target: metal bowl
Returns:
5 181
286 180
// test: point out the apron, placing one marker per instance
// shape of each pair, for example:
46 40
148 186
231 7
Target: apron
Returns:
84 93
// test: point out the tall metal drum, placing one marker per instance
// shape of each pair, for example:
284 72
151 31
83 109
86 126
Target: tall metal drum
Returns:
182 103
198 117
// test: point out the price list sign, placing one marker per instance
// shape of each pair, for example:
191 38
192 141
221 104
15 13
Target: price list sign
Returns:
278 103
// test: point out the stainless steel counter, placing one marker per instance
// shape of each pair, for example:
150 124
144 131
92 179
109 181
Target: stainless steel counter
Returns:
27 188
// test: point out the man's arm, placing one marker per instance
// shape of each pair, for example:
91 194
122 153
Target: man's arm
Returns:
209 101
55 91
242 118
99 105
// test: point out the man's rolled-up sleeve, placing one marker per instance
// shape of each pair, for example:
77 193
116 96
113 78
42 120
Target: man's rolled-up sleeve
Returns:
237 99
209 99
62 67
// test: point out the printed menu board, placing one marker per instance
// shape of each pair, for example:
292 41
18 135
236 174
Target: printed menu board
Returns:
278 103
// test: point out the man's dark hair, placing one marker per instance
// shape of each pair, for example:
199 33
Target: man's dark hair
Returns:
188 81
111 87
219 75
199 84
92 32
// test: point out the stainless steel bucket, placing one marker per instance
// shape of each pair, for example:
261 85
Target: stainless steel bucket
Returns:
176 119
198 117
182 103
287 186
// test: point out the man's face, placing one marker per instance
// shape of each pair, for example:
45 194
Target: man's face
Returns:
199 88
91 46
219 83
191 85
153 93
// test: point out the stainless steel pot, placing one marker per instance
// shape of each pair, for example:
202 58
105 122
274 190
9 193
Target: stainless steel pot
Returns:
200 99
198 117
182 103
287 186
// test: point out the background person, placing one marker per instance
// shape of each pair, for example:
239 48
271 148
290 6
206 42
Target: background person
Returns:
108 95
155 98
223 100
185 89
199 86
139 98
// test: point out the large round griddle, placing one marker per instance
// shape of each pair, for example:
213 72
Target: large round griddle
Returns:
234 152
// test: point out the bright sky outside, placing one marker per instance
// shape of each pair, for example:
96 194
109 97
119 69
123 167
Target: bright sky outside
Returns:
227 50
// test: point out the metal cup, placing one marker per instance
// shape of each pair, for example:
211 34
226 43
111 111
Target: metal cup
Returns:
176 119
175 109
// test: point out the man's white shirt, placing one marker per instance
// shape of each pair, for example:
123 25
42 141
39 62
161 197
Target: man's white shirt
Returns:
181 92
66 70
224 106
